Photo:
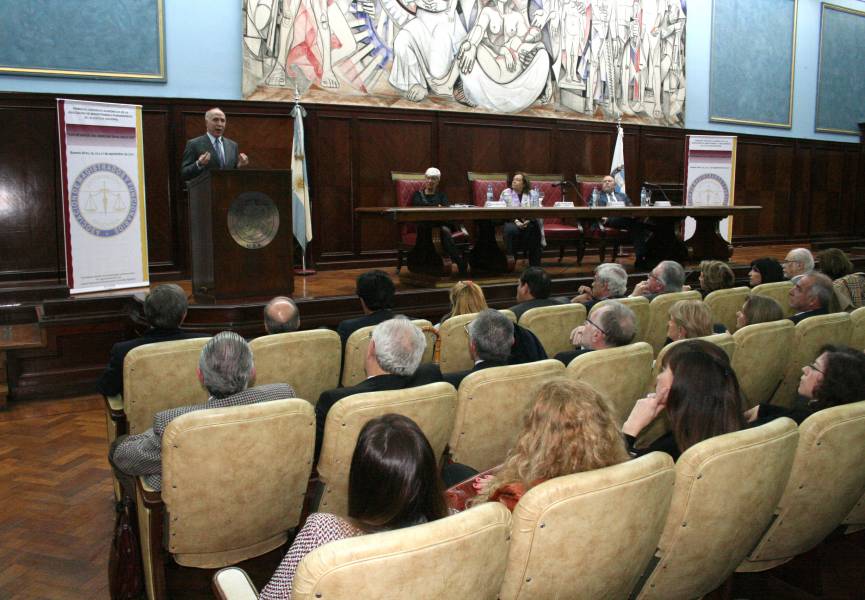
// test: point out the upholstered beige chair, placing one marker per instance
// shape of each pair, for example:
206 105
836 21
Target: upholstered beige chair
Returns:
553 325
640 306
826 481
431 406
761 357
589 535
722 340
233 484
724 304
857 329
491 406
621 375
461 556
306 360
777 290
355 352
811 334
726 491
855 521
232 583
455 355
659 316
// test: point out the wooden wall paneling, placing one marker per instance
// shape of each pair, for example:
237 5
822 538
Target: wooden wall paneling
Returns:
662 154
764 176
829 208
31 244
797 207
161 218
331 190
584 148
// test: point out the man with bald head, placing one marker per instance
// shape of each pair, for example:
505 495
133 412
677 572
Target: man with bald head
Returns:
281 315
797 262
211 150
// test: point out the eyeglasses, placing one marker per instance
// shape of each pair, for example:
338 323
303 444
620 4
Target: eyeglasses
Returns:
655 277
595 325
813 366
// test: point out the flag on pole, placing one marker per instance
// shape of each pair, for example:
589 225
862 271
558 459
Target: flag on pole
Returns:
617 168
300 214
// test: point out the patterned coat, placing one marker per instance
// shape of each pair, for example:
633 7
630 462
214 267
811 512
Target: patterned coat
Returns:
141 454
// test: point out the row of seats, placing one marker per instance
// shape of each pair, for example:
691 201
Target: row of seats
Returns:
746 501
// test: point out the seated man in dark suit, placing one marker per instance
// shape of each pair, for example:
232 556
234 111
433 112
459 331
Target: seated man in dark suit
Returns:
667 277
635 227
164 308
610 326
491 336
376 292
811 295
533 291
392 363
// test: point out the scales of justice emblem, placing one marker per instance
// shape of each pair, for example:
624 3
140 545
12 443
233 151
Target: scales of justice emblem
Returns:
709 189
103 200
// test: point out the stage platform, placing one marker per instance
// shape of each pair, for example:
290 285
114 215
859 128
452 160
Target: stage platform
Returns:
54 346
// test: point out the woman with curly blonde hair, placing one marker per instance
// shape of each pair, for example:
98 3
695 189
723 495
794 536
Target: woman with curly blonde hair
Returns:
467 297
570 429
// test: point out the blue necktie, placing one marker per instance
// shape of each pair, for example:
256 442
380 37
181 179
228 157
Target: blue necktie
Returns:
220 154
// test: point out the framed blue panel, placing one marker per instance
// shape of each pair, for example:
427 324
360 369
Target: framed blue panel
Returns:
118 39
753 58
841 76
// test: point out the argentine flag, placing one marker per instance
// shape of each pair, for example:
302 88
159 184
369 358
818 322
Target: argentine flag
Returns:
617 168
300 214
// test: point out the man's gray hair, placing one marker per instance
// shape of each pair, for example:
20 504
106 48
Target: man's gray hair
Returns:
802 256
672 276
165 306
614 276
433 172
618 322
226 364
283 321
493 335
821 288
399 345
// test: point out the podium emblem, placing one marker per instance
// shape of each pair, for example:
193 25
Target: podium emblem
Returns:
253 220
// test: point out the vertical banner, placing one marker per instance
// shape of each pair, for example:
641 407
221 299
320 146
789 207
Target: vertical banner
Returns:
102 173
710 177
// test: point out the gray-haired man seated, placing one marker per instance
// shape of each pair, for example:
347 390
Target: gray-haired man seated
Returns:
225 369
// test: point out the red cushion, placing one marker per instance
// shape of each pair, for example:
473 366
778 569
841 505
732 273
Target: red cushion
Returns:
560 231
479 189
586 189
405 189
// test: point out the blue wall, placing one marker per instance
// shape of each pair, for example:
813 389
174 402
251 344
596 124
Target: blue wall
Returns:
203 45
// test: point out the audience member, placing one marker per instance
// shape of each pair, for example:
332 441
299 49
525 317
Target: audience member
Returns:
393 483
715 275
667 277
811 295
376 292
533 291
689 319
570 429
700 392
466 298
225 369
836 377
849 286
281 315
798 262
611 281
392 359
610 326
164 308
523 233
491 338
765 270
758 309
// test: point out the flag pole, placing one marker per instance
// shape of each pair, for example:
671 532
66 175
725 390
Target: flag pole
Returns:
298 114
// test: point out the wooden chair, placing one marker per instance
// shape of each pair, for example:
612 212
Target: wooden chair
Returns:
726 490
478 184
431 406
491 406
557 231
724 304
306 360
591 534
354 355
553 325
640 306
234 481
778 291
762 353
593 232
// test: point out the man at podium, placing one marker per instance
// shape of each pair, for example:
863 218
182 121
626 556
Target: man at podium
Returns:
211 150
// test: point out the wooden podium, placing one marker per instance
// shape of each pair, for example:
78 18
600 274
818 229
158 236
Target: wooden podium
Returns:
241 235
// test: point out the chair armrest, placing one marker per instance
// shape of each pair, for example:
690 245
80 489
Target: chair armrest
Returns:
152 498
232 583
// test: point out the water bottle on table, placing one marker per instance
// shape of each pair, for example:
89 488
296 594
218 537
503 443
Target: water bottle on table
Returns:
489 192
644 196
593 201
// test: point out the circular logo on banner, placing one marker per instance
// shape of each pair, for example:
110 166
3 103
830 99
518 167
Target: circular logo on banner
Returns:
253 220
709 190
103 200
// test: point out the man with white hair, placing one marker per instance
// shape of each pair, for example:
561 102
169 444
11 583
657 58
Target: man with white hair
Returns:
811 295
611 281
212 150
610 326
225 369
667 277
392 362
798 262
431 196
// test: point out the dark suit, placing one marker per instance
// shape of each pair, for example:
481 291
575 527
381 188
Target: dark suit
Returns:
111 381
425 374
349 326
198 146
635 227
808 313
522 307
456 378
567 356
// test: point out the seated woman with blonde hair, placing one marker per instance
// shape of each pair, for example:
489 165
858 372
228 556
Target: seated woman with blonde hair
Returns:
570 429
466 297
759 309
689 319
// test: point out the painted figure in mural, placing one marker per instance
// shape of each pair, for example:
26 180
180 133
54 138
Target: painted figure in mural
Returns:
667 70
576 37
601 88
633 65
